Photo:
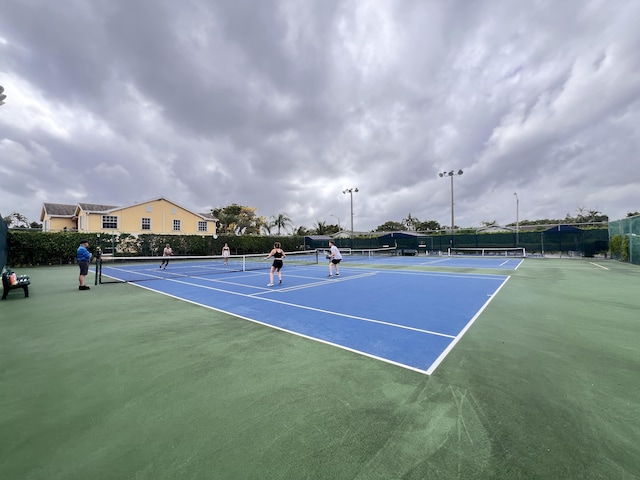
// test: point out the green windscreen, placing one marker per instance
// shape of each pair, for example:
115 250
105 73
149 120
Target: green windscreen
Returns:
624 235
4 233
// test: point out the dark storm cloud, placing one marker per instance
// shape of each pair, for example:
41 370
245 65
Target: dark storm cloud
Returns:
282 104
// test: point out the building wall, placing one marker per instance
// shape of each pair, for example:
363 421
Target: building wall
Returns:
57 224
160 213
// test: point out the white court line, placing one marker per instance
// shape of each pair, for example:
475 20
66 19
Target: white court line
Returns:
318 283
471 276
304 307
292 332
598 265
446 351
433 262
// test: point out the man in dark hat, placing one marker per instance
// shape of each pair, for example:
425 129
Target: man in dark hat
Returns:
84 257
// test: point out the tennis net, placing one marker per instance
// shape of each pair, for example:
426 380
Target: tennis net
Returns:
489 252
362 252
139 269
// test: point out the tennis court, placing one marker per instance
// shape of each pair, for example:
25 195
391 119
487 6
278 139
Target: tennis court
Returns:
120 382
363 310
444 261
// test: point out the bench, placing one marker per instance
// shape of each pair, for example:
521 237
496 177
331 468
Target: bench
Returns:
409 251
22 282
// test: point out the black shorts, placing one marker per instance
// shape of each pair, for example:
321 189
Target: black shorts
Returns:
84 267
336 261
277 264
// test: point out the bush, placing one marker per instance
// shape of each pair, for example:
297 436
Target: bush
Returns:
35 247
615 246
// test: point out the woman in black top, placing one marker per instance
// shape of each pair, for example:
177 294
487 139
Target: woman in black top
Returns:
278 254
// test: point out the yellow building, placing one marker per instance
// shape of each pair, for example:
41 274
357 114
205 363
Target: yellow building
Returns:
157 216
56 217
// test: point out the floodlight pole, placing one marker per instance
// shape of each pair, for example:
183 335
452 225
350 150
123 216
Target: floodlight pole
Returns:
339 227
451 174
351 191
517 219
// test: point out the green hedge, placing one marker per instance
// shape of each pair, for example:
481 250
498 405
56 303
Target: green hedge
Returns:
34 247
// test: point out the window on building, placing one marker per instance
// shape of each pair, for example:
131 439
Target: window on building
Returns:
109 221
202 226
177 225
146 224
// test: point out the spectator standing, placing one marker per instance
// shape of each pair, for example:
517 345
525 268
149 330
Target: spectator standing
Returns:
83 256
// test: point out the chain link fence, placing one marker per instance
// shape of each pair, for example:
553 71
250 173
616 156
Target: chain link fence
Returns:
624 239
4 243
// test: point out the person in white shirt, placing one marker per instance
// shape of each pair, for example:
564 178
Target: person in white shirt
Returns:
334 258
226 252
167 252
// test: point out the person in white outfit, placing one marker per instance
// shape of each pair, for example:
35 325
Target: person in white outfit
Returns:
334 258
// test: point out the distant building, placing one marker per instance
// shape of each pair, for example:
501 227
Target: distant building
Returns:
157 216
495 229
57 217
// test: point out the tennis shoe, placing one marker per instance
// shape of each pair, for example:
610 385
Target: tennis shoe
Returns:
280 281
269 284
330 276
337 274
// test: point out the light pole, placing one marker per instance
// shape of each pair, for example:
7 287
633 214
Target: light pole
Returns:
351 191
451 174
339 227
517 219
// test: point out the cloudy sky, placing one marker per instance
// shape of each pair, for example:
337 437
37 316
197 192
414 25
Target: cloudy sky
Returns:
282 104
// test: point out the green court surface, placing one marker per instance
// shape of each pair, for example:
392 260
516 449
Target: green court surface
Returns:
122 383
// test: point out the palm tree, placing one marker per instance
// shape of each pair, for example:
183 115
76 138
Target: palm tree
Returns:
301 231
281 221
321 228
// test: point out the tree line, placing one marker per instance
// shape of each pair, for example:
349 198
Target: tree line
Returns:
240 220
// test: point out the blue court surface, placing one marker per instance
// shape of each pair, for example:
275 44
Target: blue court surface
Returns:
410 319
489 262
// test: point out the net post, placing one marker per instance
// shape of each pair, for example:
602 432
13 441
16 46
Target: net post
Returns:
98 263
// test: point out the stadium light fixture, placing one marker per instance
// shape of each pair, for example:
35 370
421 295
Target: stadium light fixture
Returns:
451 174
351 191
2 95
